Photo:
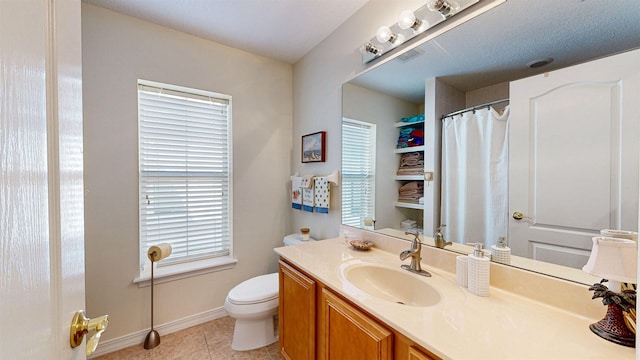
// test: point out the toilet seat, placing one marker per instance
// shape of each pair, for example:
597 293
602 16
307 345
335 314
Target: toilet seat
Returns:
256 290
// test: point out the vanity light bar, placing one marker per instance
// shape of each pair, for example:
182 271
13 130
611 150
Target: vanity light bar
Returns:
410 24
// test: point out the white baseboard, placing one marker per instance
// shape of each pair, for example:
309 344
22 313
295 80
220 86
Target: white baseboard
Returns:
137 338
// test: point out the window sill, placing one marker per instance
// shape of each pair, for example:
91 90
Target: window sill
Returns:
174 272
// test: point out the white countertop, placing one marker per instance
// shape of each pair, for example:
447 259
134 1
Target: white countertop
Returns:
462 325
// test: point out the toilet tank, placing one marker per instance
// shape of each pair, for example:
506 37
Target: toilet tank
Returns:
295 239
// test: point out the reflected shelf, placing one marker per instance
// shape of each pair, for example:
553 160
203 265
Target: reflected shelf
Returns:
404 123
409 205
409 149
409 177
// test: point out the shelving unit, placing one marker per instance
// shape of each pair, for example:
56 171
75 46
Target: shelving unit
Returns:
406 178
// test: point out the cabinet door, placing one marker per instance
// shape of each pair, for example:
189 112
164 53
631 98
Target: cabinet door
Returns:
415 354
347 333
406 349
297 314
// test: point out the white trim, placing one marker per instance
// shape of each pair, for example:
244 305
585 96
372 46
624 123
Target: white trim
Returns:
163 274
137 338
184 89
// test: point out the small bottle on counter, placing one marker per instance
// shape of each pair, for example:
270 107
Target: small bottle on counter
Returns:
501 253
479 267
304 234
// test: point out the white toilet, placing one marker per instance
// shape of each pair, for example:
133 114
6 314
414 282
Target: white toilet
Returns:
254 305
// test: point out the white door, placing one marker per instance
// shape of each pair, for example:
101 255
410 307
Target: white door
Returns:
41 188
573 157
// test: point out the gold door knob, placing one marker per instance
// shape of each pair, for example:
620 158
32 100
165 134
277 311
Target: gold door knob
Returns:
520 216
81 325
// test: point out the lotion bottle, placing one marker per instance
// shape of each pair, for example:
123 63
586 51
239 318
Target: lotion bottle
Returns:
501 253
478 278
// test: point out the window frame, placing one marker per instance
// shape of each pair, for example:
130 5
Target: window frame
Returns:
194 265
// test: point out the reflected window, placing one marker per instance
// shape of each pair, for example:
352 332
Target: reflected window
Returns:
358 171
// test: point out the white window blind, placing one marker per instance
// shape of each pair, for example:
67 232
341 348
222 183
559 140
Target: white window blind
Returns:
185 178
358 171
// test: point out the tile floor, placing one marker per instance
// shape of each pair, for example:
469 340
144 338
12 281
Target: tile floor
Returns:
208 341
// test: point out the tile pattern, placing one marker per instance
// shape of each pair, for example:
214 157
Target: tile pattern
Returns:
208 341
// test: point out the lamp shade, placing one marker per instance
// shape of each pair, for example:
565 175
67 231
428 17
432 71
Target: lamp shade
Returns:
613 259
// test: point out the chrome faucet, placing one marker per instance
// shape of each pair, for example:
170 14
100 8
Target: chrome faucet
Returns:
414 254
438 238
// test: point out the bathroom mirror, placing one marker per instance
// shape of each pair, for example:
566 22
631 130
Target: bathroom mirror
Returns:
479 58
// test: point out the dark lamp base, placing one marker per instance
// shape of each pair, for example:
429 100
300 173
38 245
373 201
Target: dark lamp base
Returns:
613 328
152 340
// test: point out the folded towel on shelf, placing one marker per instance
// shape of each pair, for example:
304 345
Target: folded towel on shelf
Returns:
416 138
418 170
411 135
412 186
411 164
414 118
411 158
405 135
322 194
409 200
411 192
296 192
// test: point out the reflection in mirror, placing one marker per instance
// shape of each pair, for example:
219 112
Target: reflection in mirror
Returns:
575 174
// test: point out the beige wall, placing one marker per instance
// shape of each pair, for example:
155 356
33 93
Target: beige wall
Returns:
118 50
317 102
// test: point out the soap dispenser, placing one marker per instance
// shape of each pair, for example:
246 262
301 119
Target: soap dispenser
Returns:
479 266
501 253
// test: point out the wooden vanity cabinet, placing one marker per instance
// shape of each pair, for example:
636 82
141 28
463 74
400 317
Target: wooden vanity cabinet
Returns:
316 323
297 314
347 333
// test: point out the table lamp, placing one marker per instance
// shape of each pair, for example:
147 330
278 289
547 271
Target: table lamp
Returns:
615 260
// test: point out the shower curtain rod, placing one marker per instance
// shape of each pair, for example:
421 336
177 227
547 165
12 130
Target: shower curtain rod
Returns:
473 108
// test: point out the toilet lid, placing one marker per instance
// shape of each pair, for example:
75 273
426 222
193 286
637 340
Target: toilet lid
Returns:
255 290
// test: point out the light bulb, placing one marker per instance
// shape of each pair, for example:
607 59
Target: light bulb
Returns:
384 34
435 5
407 19
370 48
444 7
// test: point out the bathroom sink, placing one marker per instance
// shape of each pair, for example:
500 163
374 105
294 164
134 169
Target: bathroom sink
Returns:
386 281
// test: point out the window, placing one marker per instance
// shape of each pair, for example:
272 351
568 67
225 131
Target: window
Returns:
358 171
185 172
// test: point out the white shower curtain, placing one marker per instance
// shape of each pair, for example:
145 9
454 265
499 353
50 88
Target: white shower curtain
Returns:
475 154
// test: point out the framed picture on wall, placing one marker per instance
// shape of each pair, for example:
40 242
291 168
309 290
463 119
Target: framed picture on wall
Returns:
313 147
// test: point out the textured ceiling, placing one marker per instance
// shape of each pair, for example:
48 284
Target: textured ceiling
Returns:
284 30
